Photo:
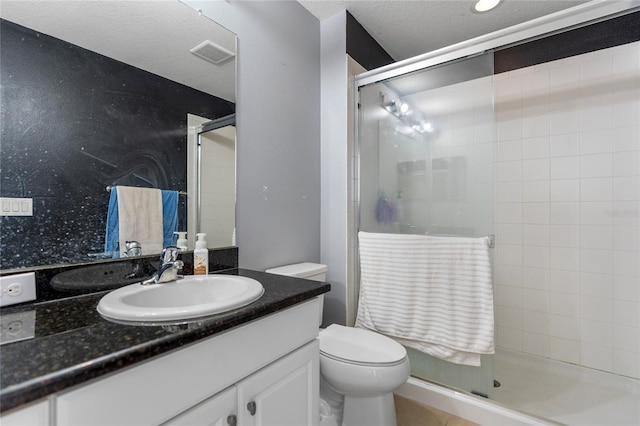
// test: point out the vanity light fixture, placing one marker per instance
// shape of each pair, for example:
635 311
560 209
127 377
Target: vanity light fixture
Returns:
389 106
423 127
404 112
397 108
482 6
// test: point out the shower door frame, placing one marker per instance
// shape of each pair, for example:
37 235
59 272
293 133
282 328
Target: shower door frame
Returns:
587 13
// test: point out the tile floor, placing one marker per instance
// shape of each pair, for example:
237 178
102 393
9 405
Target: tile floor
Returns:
412 413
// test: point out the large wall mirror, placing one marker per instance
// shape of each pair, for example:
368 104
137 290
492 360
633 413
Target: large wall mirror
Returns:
97 94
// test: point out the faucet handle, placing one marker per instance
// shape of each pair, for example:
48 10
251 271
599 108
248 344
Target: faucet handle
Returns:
169 254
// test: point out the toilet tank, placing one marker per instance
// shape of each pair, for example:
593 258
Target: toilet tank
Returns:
306 270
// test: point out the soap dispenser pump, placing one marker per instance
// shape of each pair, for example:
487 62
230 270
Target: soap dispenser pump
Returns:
201 256
182 242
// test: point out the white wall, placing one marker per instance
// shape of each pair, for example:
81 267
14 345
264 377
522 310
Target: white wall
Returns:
339 207
278 111
334 164
353 287
568 221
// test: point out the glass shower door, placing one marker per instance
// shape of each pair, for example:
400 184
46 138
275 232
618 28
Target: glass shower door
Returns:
426 143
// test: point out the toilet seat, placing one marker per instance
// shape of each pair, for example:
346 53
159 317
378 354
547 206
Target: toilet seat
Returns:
362 363
360 347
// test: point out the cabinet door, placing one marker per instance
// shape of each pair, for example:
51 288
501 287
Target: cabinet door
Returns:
219 410
284 393
34 415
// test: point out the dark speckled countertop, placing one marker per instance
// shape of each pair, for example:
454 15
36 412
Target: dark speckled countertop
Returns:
73 343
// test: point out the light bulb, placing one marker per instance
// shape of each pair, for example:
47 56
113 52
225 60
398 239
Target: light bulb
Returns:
485 5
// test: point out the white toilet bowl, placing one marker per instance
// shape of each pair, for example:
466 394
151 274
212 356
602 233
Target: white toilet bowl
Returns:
359 371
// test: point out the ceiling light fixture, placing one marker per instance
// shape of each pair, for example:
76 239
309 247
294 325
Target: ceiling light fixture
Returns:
482 6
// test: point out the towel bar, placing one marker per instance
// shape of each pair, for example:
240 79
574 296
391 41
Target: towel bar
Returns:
491 239
109 187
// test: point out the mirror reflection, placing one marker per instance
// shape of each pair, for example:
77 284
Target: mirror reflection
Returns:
97 94
212 159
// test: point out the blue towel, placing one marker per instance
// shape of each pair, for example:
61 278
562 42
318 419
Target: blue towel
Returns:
169 221
113 231
169 216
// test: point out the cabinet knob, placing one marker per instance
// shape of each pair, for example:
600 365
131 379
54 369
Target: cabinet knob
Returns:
252 407
232 420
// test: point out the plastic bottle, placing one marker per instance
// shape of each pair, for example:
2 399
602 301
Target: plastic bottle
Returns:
201 256
400 206
182 242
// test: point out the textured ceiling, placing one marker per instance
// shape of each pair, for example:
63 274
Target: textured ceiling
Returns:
406 28
156 35
153 35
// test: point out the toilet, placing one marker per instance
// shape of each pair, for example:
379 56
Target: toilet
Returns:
359 369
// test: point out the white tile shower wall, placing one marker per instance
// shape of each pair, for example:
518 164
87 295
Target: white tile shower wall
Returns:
462 115
568 213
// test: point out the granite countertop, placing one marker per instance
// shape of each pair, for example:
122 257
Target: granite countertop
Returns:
73 343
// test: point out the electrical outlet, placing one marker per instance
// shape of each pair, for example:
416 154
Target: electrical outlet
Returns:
17 326
17 288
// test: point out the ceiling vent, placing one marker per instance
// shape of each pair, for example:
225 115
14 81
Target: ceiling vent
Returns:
209 51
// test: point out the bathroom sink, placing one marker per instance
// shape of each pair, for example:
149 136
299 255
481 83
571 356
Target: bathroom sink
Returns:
187 298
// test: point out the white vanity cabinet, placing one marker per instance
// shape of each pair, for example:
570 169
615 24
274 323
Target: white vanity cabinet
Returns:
271 361
284 393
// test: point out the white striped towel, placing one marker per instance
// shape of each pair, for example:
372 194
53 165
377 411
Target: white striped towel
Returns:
433 294
140 218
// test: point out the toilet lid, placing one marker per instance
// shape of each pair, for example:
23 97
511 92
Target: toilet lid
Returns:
359 345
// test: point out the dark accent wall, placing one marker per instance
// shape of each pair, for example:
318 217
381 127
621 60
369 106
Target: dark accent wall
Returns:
602 35
143 266
364 48
72 122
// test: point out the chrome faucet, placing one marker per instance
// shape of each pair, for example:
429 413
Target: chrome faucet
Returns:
132 248
169 267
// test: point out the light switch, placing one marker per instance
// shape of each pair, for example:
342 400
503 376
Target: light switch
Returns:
16 206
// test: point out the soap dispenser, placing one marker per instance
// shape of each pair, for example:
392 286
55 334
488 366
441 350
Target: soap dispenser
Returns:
201 256
182 242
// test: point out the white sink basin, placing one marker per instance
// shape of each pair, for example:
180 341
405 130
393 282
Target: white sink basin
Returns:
190 297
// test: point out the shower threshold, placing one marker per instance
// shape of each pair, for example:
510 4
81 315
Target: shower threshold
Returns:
566 393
